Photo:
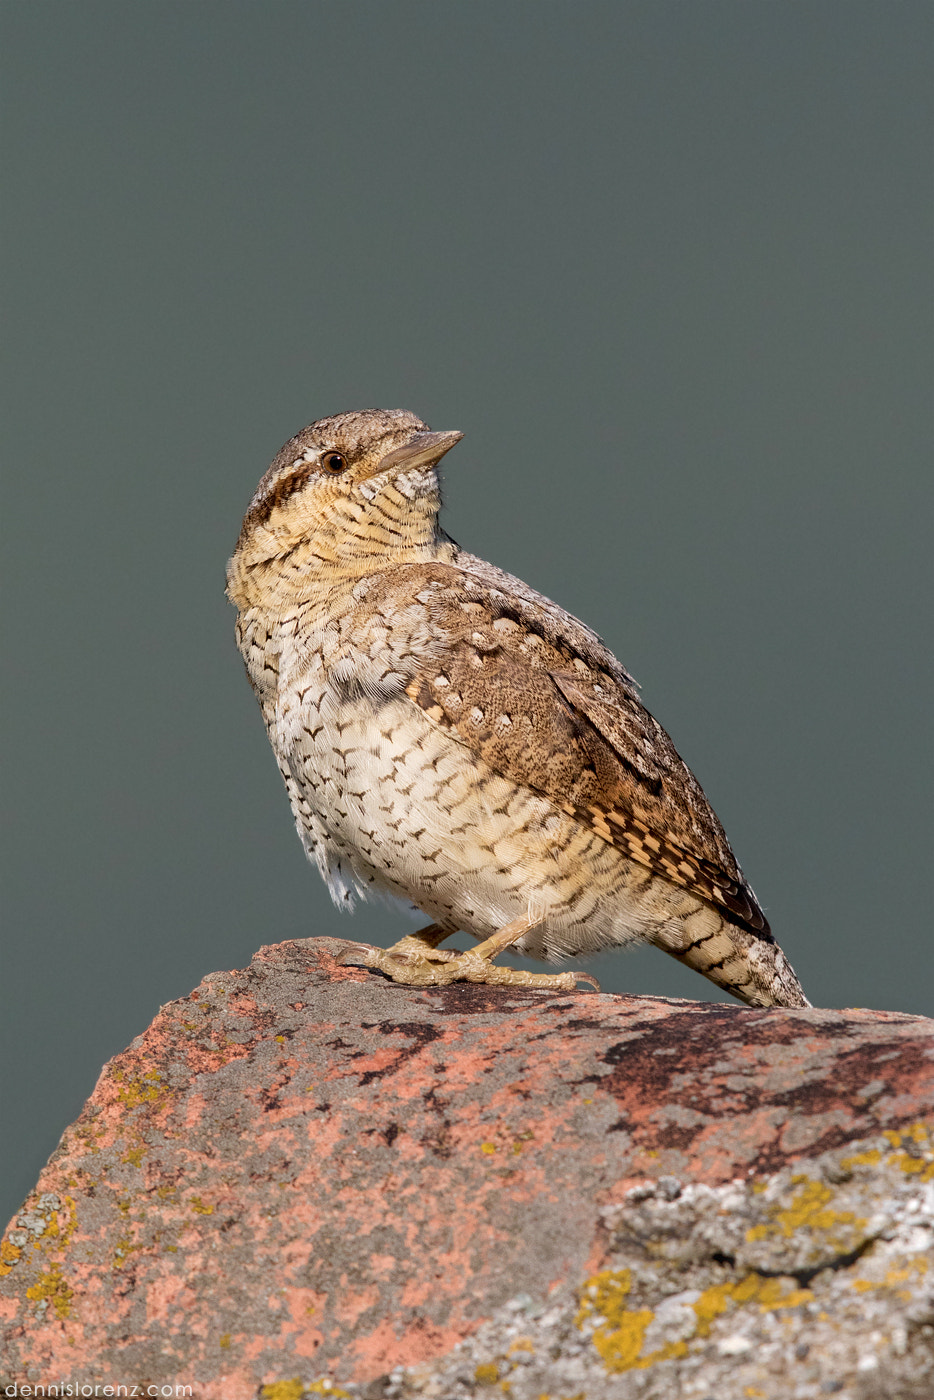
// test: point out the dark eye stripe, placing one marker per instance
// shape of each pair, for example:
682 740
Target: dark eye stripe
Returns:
277 492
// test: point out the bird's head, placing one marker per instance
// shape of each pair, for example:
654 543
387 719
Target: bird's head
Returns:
344 497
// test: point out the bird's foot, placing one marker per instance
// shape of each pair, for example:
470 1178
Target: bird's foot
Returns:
416 962
470 967
415 947
410 951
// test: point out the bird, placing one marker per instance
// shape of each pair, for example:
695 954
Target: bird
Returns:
454 741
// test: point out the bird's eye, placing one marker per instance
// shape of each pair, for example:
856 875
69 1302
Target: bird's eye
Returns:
334 462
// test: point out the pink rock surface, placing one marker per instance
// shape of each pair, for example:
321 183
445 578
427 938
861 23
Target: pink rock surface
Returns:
302 1168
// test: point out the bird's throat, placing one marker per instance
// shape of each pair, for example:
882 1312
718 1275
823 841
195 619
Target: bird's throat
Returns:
292 559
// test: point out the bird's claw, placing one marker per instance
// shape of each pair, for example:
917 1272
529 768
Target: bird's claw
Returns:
418 966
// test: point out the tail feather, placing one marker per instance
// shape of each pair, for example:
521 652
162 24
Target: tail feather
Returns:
750 966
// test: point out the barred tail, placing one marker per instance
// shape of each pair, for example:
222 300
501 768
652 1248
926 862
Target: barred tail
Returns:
749 965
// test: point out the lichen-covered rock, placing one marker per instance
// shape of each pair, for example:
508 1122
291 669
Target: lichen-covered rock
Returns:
306 1179
803 1283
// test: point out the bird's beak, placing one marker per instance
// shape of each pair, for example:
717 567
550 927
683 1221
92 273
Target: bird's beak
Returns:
421 450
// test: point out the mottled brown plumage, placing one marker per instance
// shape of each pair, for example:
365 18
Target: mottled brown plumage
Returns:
451 737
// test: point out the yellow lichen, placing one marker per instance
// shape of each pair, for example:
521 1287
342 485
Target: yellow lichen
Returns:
711 1303
521 1344
605 1293
71 1223
283 1390
794 1299
62 1233
324 1387
769 1293
57 1234
144 1088
918 1133
918 1264
52 1288
199 1207
619 1341
122 1248
621 1347
862 1159
488 1147
83 1132
10 1254
809 1209
224 1340
487 1373
907 1163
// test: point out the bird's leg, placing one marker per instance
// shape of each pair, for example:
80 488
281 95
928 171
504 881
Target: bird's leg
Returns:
422 944
421 967
415 948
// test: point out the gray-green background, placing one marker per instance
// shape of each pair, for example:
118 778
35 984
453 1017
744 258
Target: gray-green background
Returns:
666 264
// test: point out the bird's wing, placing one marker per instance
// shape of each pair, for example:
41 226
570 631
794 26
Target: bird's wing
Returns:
536 694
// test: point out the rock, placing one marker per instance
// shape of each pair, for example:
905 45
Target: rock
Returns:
811 1281
302 1180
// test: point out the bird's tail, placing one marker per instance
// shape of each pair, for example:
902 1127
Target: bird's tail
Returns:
749 965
